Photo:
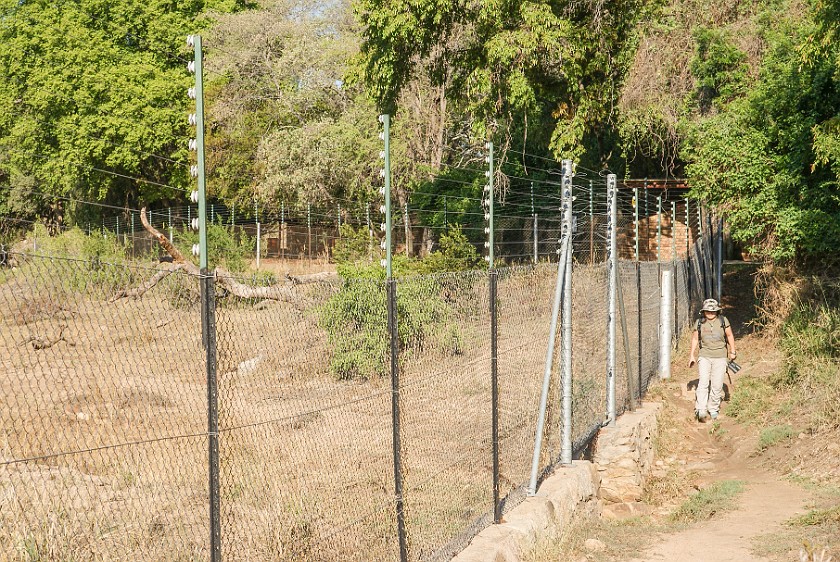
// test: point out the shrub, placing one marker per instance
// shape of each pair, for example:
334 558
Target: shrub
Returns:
355 246
718 497
776 434
356 320
226 248
456 253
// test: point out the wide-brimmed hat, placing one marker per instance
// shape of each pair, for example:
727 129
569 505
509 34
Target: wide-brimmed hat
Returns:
711 305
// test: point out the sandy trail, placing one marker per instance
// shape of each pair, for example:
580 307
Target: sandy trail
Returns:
768 499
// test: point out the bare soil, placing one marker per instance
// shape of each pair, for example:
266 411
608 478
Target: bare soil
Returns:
726 450
103 437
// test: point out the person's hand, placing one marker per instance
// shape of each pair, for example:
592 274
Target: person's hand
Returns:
691 361
732 355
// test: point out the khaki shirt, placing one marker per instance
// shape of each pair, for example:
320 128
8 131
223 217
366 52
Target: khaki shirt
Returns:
712 337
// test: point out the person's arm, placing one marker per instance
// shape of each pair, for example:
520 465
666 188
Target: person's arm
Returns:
730 339
692 356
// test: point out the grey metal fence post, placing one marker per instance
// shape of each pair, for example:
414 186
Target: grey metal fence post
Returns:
549 360
665 309
631 384
612 265
494 381
688 255
309 229
536 240
566 440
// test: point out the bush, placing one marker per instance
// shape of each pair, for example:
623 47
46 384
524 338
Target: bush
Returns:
225 248
776 434
717 498
456 253
355 246
356 320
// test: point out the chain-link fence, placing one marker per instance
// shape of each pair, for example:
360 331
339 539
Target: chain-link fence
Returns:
280 429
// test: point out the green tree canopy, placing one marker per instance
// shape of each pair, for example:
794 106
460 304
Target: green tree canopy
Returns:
95 93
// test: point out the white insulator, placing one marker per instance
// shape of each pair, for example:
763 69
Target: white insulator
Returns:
382 155
191 93
487 174
487 259
383 263
382 173
487 230
191 66
557 251
194 196
382 190
487 145
196 250
194 171
487 159
487 244
193 144
383 227
383 245
194 223
383 209
190 40
192 119
487 188
382 119
487 216
382 136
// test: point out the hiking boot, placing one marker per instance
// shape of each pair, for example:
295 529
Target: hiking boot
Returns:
714 415
701 416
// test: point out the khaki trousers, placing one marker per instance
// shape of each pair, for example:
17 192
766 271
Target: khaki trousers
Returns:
712 371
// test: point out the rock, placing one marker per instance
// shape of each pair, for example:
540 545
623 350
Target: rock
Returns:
249 366
594 545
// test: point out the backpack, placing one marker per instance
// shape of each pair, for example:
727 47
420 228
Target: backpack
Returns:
722 327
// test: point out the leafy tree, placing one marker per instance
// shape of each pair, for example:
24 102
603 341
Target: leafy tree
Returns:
95 96
552 64
768 159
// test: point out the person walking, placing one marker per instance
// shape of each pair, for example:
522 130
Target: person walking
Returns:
713 335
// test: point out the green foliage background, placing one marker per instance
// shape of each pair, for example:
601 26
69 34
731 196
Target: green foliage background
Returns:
739 98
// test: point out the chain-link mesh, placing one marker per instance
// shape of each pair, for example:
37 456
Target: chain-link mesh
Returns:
305 425
103 425
104 440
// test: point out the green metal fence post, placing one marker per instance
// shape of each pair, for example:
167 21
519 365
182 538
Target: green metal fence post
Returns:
207 285
488 202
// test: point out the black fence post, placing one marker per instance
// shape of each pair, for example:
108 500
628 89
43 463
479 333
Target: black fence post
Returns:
395 416
208 309
494 380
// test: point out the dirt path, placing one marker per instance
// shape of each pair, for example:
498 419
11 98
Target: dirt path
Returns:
766 503
726 451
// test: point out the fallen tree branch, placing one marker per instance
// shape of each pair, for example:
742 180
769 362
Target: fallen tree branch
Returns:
39 342
137 292
283 292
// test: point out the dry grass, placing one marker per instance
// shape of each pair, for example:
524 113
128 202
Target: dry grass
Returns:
620 539
816 532
306 460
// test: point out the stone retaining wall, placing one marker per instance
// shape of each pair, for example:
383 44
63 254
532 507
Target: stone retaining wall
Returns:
615 479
